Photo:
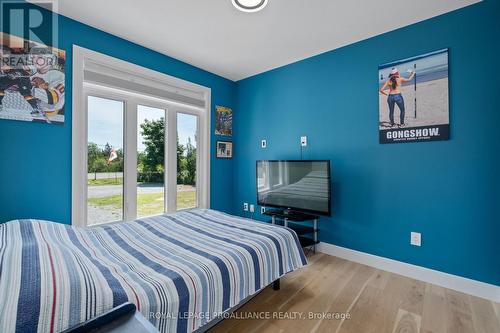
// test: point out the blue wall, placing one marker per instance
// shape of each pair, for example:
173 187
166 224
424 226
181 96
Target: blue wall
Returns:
447 190
35 159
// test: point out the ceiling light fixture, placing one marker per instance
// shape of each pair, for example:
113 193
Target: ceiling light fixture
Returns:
249 6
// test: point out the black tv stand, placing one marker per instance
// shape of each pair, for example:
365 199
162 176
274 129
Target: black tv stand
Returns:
291 215
299 222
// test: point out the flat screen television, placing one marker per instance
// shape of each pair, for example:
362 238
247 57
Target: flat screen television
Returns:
299 186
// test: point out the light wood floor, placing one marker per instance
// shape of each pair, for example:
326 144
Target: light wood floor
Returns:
377 301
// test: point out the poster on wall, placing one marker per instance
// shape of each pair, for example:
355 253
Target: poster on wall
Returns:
224 149
32 81
413 99
223 121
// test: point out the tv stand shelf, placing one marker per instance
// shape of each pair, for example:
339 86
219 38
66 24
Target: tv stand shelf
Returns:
305 225
290 215
301 228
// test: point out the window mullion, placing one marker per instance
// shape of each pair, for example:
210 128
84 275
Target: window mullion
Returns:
171 161
130 162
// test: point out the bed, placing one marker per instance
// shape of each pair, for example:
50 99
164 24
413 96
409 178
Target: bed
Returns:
181 270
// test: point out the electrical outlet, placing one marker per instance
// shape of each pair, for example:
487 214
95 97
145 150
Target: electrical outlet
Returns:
262 210
245 206
303 141
416 238
252 208
263 143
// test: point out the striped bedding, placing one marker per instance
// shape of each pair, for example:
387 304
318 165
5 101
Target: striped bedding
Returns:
181 270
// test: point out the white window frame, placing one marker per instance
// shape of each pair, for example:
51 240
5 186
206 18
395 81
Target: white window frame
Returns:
81 91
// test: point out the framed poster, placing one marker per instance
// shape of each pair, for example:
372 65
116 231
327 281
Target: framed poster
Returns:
224 149
413 99
223 121
32 81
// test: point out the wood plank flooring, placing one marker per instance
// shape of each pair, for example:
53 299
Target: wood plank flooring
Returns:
339 296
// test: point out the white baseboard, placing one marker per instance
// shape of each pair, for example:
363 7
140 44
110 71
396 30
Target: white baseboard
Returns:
468 286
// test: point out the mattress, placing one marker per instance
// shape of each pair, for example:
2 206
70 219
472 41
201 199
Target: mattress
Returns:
181 270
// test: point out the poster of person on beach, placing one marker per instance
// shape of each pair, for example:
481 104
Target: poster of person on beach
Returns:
32 81
413 99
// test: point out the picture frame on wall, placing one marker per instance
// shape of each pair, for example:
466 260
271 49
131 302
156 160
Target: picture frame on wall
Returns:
223 121
32 81
224 149
413 99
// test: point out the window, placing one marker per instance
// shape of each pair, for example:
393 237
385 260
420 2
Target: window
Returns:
151 141
140 141
104 160
187 160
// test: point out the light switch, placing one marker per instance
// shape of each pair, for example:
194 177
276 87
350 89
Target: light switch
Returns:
416 239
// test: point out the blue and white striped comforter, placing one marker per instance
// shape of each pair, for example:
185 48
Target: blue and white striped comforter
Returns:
181 270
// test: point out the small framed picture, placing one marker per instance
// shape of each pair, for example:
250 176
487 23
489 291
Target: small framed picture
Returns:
224 149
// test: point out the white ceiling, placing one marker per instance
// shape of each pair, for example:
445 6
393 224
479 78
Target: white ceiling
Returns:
213 35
